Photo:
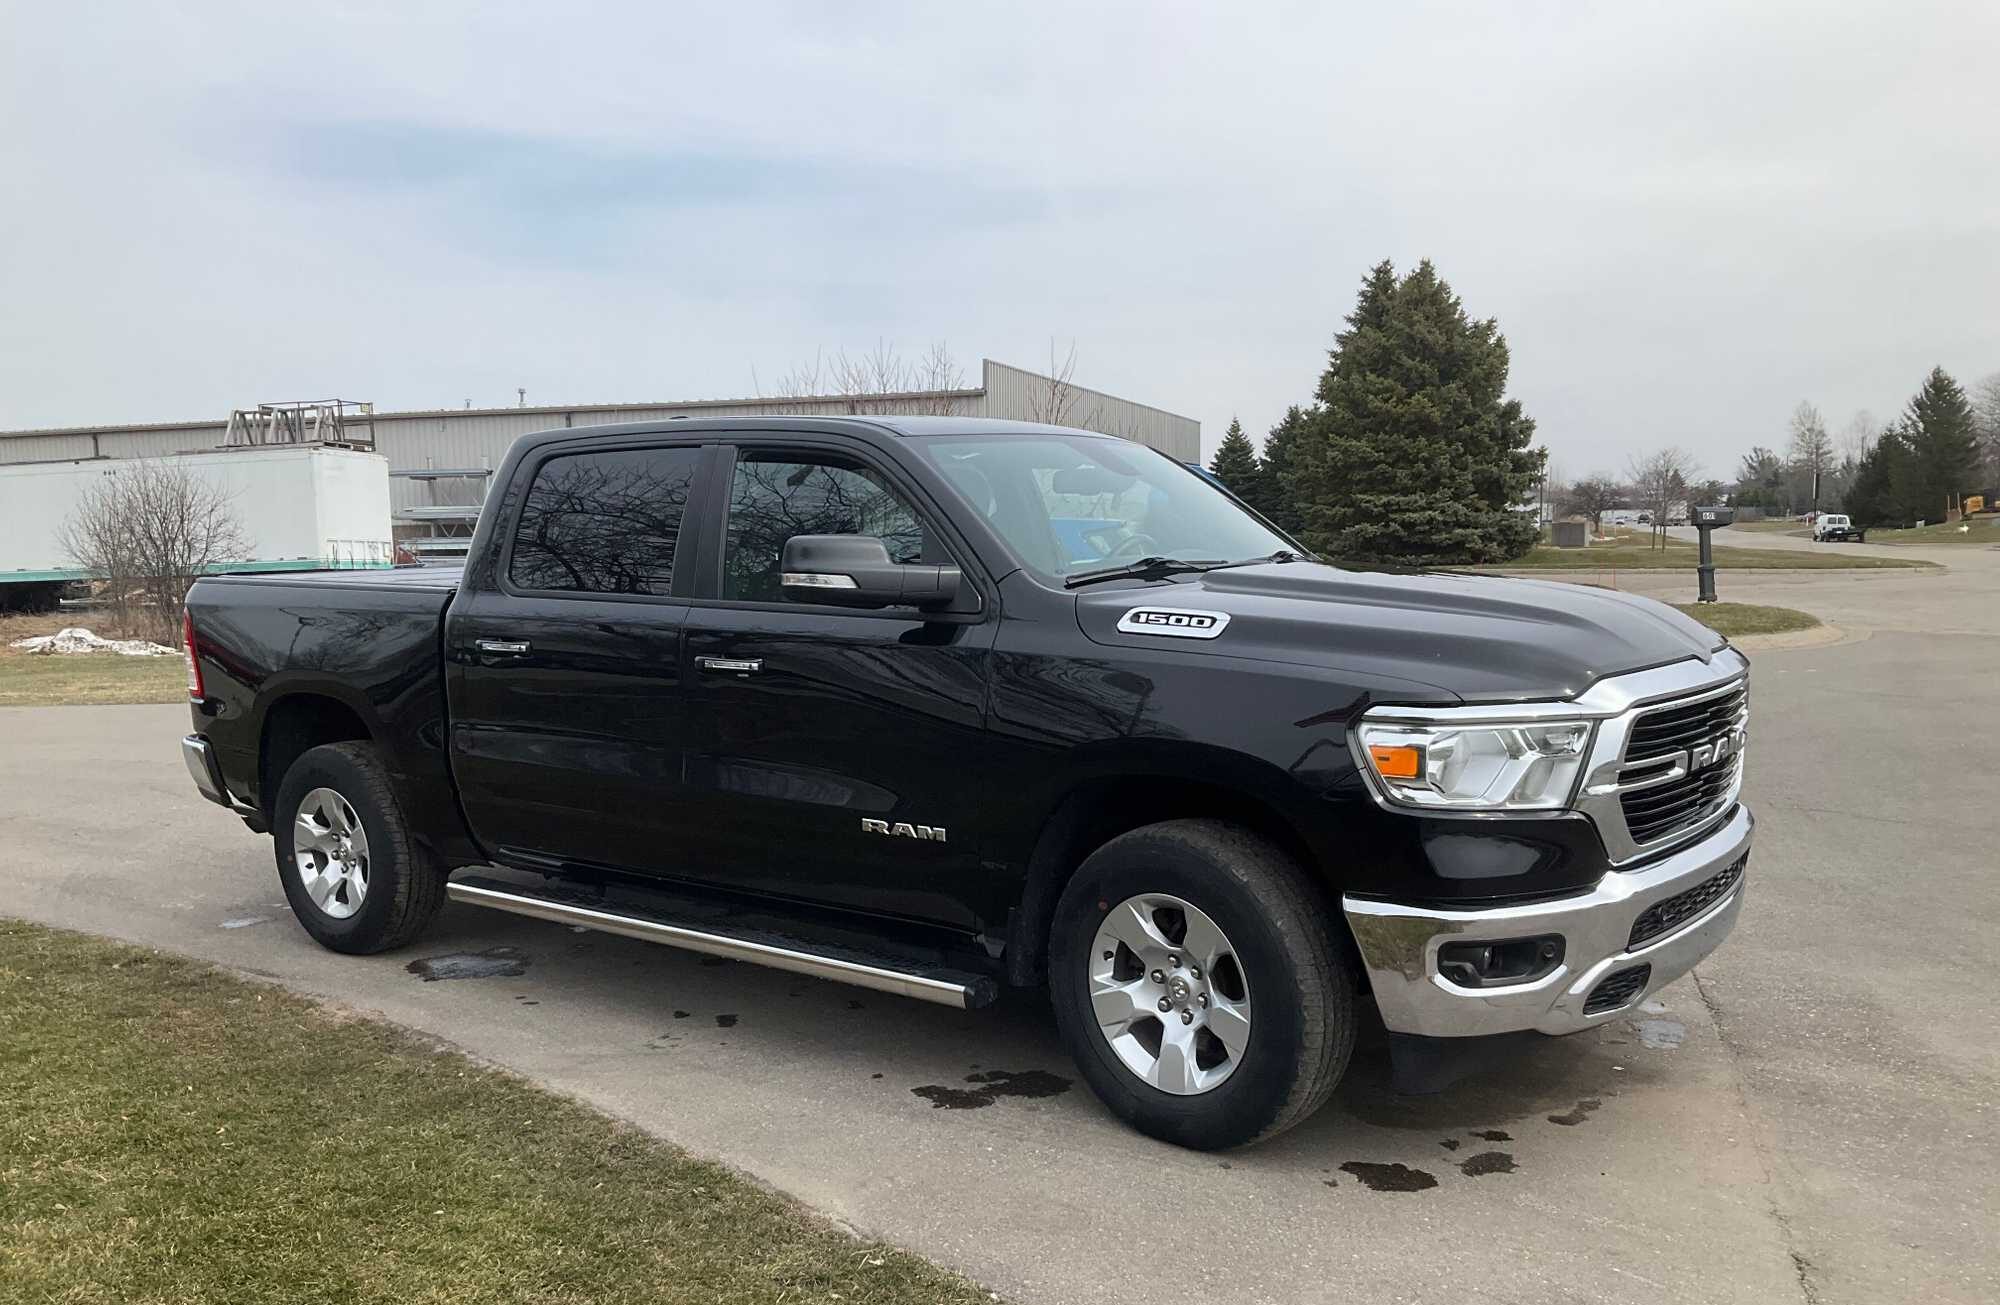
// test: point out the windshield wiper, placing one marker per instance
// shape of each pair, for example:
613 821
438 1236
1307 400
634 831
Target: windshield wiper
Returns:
1145 568
1282 555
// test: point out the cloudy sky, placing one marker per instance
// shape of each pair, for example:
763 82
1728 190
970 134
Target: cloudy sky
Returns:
1686 217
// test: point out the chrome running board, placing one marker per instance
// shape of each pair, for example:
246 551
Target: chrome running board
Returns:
958 989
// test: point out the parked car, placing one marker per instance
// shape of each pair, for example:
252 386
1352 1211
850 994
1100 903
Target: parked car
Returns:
1831 527
834 696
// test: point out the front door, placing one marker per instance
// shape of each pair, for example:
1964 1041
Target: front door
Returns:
568 716
837 753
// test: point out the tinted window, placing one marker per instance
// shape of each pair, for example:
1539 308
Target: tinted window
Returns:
776 496
604 523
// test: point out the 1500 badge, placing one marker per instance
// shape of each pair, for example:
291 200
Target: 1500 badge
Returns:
1174 622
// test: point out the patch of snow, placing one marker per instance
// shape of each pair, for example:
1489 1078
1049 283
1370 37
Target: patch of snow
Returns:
76 639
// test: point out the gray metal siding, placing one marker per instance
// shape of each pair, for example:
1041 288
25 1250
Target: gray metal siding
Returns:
1019 395
480 437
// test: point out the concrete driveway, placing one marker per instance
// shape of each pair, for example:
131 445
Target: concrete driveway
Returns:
1811 1117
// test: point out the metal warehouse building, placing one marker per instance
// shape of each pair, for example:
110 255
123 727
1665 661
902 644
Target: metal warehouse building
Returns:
474 439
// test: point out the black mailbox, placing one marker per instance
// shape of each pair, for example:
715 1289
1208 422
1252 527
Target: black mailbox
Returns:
1707 519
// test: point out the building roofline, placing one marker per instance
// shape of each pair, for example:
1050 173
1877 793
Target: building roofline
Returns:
557 409
530 410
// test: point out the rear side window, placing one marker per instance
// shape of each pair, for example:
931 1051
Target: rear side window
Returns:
604 523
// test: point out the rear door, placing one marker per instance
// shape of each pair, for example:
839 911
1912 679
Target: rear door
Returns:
568 709
837 754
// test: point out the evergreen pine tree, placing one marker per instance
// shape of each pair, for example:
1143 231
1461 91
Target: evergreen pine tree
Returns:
1415 454
1236 466
1943 440
1871 497
1279 500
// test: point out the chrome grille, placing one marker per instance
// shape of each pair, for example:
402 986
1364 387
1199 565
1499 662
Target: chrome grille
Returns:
1668 729
1660 742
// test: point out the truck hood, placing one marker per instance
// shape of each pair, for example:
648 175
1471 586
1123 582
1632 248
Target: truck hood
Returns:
1480 638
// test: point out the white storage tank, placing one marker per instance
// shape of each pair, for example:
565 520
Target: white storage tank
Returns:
302 505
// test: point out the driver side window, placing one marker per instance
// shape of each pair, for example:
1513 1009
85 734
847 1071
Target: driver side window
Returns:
773 496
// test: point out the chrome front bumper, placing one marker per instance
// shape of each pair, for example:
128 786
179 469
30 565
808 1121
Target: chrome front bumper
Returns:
1399 945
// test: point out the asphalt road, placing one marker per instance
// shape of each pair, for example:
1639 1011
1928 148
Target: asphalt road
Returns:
1811 1118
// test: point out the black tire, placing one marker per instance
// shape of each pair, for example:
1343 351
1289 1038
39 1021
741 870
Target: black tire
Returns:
1295 957
405 885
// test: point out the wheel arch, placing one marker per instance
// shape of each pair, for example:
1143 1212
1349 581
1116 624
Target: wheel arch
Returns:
1092 811
295 722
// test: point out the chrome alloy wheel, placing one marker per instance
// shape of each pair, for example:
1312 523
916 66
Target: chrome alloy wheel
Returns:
1169 995
330 849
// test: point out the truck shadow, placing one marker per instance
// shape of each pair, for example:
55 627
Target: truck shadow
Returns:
919 1061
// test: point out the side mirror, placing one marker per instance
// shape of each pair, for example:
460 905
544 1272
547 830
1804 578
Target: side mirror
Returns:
855 571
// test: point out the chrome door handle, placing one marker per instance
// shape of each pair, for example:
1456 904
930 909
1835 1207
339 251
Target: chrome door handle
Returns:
501 647
731 665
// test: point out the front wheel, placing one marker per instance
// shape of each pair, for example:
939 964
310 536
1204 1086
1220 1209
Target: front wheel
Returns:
356 878
1202 984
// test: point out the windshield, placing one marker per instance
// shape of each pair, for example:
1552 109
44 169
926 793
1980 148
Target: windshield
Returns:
1067 504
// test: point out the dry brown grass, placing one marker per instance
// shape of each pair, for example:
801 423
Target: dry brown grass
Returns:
40 680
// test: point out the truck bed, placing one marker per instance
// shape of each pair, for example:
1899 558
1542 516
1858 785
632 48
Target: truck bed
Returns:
405 579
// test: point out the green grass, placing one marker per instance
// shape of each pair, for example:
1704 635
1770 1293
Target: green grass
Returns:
1978 530
171 1133
1633 552
1734 619
1774 526
28 680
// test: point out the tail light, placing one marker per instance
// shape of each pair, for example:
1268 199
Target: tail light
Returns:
194 663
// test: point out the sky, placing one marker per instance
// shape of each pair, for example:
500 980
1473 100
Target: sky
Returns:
1686 218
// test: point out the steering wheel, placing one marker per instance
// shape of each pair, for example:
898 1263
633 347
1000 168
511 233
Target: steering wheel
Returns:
1135 545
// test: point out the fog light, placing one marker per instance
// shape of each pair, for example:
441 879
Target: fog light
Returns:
1497 964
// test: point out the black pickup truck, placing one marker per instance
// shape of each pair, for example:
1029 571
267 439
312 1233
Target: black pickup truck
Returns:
942 706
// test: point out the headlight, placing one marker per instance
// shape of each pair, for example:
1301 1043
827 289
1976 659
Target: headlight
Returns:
1482 766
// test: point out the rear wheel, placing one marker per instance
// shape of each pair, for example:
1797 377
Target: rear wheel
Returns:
1202 984
356 878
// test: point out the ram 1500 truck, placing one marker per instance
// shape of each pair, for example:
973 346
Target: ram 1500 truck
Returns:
941 706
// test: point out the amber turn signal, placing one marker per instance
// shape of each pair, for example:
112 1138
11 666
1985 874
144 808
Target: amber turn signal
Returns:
1396 762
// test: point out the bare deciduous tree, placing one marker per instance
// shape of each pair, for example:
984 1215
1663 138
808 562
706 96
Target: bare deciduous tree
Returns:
1986 419
1053 402
1859 435
1812 450
1592 497
1660 483
879 381
149 530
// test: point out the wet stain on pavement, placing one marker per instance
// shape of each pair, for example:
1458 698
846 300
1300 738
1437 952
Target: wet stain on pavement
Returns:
725 1021
1487 1162
992 1085
493 963
1033 1083
1493 1135
1584 1109
1661 1035
1389 1178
